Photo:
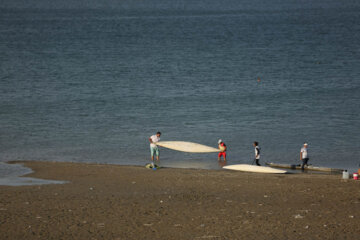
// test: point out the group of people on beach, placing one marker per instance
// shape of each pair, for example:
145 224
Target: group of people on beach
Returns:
304 156
222 147
154 151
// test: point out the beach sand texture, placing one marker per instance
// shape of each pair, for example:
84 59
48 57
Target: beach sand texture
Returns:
128 202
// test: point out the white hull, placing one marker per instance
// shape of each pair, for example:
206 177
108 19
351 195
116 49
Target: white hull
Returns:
187 146
253 168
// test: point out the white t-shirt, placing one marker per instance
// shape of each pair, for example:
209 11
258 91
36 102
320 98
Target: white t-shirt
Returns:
154 139
304 152
257 152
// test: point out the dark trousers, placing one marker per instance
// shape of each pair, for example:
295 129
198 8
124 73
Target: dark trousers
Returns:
257 162
304 162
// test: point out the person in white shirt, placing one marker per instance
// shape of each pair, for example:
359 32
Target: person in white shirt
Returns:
257 153
304 156
154 150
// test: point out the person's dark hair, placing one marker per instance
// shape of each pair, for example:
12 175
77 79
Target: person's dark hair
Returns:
256 143
158 133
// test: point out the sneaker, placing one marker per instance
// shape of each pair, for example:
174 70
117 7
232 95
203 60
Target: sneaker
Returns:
154 168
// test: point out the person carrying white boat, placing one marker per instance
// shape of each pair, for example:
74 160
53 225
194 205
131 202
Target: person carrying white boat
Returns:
154 149
304 156
222 148
257 153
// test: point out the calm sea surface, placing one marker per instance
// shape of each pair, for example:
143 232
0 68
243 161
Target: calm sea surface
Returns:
90 82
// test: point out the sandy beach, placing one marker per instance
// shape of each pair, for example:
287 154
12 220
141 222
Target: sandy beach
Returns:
132 202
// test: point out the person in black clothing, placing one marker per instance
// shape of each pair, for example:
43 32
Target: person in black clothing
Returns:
257 153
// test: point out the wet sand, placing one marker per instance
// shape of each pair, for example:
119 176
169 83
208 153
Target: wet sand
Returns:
126 202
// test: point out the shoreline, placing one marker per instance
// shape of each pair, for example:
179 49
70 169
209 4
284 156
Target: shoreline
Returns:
23 180
105 201
167 166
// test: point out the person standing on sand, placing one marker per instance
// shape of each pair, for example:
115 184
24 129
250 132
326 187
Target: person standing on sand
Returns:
257 153
304 156
222 148
154 149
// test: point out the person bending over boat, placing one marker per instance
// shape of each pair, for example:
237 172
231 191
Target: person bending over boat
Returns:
154 150
304 156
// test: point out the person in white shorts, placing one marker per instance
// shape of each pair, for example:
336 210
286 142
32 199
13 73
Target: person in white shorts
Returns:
154 150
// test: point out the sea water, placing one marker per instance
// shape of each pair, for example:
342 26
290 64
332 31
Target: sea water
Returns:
92 81
10 176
